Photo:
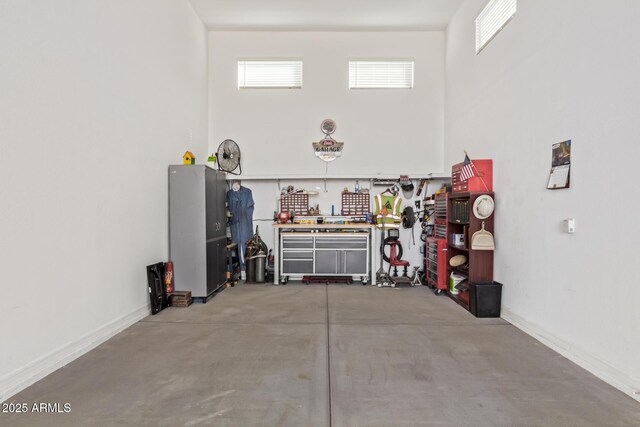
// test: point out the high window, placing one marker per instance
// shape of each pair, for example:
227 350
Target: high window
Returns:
381 74
260 73
492 19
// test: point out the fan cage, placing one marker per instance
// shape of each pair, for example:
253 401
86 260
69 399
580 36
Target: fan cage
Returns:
232 146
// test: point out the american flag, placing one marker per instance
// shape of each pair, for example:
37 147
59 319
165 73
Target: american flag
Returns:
467 170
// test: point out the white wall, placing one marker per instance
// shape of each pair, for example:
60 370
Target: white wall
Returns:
97 98
558 71
275 127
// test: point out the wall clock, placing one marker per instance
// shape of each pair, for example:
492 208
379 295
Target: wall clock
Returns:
328 126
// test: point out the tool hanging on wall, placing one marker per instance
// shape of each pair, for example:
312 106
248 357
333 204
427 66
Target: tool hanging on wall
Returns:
428 230
408 221
420 186
408 217
383 182
406 185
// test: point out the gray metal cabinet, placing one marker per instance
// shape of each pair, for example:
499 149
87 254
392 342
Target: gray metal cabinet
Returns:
197 228
327 262
215 199
354 262
342 254
297 254
336 254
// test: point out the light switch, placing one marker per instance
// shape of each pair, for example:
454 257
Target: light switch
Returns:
570 225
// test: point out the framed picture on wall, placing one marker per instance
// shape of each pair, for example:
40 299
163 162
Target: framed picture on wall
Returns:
560 176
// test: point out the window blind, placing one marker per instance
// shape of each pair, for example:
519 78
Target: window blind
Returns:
492 19
380 74
270 74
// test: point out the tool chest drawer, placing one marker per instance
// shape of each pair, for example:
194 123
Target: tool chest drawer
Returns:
297 242
338 242
297 255
297 266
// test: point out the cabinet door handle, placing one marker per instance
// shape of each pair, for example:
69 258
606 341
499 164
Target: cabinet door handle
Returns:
344 262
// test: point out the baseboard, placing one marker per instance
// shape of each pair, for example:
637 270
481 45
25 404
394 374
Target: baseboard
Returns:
22 378
597 367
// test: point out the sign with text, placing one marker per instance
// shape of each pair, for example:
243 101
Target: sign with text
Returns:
328 149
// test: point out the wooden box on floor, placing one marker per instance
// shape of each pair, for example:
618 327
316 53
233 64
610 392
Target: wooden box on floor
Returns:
180 299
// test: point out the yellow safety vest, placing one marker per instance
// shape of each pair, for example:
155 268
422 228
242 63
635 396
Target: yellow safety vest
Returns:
388 211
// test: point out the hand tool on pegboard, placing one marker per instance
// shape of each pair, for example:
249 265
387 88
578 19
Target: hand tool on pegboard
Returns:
423 181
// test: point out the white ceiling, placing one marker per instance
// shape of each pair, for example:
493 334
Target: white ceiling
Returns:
326 15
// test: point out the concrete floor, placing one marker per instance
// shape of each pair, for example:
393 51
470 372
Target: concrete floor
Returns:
320 355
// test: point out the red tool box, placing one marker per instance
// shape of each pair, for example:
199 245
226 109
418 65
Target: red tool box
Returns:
436 264
440 216
483 171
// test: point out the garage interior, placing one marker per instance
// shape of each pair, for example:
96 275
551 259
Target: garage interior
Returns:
184 245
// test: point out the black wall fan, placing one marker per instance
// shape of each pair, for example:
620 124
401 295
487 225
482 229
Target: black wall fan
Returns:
229 157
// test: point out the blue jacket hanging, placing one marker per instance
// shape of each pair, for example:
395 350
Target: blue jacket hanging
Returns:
241 204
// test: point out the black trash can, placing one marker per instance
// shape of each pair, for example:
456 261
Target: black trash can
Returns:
485 299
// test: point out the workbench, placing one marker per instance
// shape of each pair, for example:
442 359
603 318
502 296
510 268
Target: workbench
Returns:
325 250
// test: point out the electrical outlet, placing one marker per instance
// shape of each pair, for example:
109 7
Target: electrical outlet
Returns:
417 204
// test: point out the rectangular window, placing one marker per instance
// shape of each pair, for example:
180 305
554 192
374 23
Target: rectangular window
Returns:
495 15
285 74
381 74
